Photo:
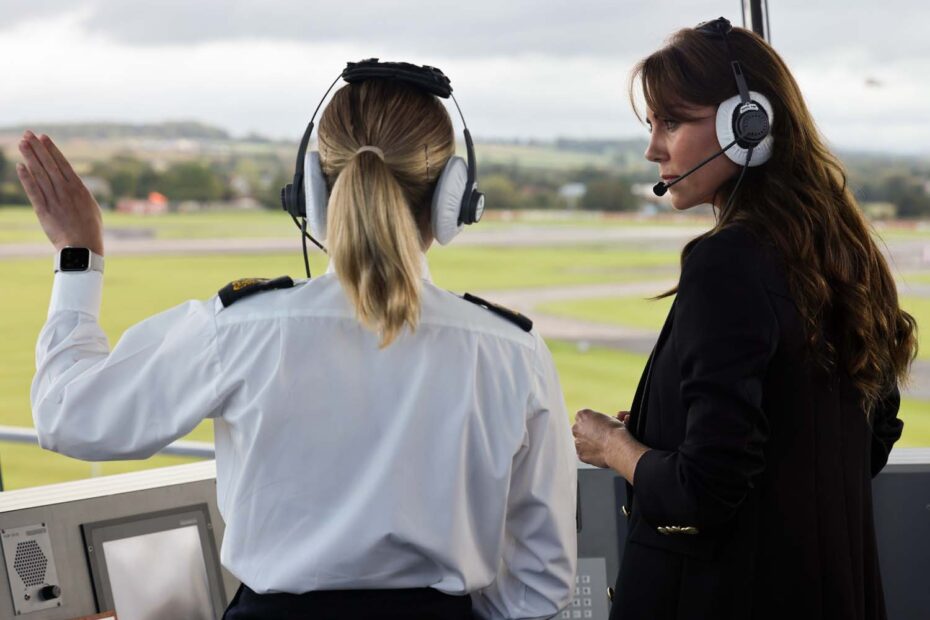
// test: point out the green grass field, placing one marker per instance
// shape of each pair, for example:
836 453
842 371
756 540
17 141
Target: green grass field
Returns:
650 314
18 224
896 232
533 157
638 312
137 287
919 308
911 278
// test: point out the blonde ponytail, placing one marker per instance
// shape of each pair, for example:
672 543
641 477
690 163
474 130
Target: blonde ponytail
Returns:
382 146
375 246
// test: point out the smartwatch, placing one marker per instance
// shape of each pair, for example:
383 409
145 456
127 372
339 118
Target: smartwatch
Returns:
78 260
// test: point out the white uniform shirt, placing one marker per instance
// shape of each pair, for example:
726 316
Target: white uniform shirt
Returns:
444 460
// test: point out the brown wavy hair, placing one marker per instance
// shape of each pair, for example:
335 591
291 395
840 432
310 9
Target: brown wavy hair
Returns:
379 209
798 202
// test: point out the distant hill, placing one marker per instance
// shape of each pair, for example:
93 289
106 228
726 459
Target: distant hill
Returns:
173 130
565 154
603 147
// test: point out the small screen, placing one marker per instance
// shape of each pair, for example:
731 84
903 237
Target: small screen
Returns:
74 259
156 565
159 575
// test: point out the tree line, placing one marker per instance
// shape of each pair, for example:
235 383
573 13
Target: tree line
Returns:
127 176
507 186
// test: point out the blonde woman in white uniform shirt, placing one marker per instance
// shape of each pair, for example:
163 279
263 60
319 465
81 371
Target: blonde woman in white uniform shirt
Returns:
384 448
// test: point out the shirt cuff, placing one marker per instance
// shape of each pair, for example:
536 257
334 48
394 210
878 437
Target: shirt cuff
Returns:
78 292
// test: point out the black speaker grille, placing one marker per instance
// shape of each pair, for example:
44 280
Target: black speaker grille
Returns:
30 563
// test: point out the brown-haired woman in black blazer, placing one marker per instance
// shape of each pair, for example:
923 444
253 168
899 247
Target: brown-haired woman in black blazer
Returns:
771 397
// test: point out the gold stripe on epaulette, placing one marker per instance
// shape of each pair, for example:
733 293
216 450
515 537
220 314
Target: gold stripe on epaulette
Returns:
238 285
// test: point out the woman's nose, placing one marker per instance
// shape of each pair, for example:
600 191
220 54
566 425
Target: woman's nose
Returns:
656 151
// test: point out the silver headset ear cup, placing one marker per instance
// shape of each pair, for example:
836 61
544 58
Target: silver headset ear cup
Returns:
316 196
447 200
725 134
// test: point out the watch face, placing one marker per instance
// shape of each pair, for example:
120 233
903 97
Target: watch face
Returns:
74 259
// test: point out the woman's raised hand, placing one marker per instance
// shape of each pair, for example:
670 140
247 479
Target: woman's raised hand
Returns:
67 211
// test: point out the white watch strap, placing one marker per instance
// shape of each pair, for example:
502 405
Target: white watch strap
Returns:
96 262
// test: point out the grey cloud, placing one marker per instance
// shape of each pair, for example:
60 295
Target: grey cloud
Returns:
472 29
889 30
886 30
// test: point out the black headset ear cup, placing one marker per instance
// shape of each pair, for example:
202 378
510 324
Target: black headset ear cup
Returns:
284 198
475 207
290 202
750 126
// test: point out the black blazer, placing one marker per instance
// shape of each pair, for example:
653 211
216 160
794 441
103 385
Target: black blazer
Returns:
755 498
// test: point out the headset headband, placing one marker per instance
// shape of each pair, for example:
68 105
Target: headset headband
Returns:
721 28
741 120
426 78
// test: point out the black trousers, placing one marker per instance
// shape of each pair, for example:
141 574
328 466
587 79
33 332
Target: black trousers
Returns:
412 604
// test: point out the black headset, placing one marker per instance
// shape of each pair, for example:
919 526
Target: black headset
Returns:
426 78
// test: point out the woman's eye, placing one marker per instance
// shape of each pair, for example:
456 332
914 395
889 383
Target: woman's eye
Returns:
649 127
670 125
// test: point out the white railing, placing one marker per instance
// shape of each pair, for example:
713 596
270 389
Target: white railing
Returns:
205 450
199 449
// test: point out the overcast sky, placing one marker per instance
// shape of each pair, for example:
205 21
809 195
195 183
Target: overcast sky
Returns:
520 69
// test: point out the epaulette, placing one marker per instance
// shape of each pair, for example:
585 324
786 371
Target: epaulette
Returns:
520 320
237 289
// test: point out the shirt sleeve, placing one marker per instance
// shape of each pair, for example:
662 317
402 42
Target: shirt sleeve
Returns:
726 333
155 386
886 429
536 577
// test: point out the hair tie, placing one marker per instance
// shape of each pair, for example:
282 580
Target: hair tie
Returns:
373 149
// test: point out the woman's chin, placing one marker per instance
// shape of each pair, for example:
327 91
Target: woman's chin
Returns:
681 205
684 202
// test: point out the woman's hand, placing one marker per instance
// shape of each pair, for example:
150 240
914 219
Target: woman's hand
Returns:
68 213
604 441
592 431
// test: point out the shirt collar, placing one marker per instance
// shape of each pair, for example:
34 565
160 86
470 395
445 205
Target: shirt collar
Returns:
424 268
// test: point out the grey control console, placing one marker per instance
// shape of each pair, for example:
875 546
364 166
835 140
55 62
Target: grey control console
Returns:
145 545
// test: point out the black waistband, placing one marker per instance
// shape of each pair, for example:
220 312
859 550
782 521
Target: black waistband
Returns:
406 604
